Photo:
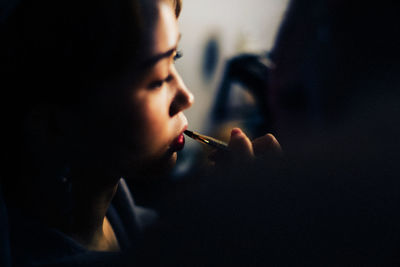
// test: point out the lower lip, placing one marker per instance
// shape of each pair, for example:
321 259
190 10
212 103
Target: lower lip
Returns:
178 143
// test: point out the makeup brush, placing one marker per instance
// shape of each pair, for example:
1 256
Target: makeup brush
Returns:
207 140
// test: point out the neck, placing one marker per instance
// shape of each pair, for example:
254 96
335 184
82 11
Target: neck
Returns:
89 225
78 210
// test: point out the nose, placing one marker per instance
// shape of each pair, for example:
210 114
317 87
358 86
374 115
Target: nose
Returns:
183 98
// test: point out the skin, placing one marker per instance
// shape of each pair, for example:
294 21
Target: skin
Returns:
244 149
158 101
162 96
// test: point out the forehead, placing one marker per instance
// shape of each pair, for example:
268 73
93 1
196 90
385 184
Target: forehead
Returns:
164 32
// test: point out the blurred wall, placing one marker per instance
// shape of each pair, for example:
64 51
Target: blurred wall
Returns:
212 32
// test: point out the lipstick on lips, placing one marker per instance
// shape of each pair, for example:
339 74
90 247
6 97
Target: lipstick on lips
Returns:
207 140
178 143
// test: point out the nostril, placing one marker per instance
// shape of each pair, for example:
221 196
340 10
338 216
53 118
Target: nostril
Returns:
182 100
173 111
176 105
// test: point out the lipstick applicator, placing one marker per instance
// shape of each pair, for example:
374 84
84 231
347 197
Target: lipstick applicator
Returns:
207 140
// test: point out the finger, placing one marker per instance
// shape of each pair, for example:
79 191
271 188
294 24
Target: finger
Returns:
267 145
240 145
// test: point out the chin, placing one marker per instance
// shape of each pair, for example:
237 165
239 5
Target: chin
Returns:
172 160
165 165
152 170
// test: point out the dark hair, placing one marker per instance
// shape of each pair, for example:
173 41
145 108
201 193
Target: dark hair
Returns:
56 53
60 47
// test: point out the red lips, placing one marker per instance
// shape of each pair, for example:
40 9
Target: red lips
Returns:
178 143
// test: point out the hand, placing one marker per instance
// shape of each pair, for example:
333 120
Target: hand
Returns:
264 146
242 149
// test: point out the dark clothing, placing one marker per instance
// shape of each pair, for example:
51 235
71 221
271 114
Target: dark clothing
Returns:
5 258
34 244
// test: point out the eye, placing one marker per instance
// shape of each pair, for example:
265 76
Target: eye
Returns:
156 84
178 55
169 78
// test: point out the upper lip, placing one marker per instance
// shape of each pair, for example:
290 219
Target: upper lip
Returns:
179 133
177 137
184 129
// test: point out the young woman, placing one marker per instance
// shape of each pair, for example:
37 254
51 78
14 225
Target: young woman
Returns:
95 96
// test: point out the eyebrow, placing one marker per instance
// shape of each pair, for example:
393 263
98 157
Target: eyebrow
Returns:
154 59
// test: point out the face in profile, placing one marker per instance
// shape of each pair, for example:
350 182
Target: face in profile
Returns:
159 99
142 124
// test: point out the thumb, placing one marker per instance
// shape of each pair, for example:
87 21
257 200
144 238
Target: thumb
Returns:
240 144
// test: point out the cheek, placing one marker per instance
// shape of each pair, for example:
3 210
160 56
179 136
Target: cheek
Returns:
153 121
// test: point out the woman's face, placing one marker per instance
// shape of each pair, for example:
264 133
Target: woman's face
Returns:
143 127
161 97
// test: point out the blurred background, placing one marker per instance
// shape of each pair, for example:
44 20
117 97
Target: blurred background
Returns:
213 32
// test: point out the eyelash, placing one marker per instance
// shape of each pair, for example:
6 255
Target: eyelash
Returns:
178 55
158 84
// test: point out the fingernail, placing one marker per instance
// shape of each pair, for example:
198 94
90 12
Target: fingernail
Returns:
235 132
